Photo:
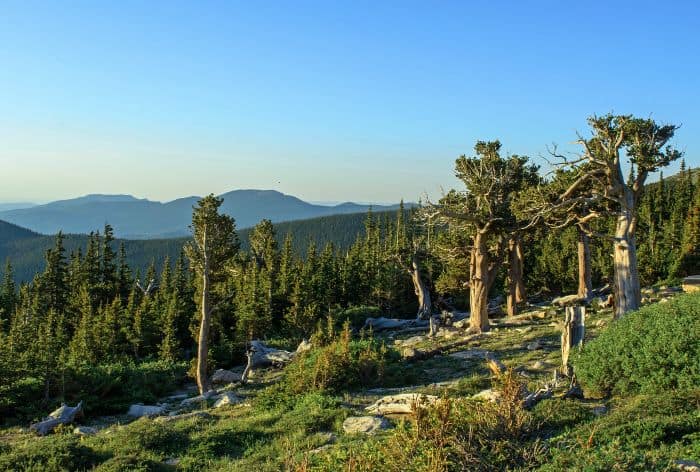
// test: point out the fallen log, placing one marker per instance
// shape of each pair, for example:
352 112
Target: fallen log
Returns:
427 354
260 355
383 324
63 415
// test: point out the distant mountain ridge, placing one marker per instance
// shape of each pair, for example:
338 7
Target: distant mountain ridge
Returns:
136 218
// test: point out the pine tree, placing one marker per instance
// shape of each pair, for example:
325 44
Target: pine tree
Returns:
124 280
54 280
109 278
8 297
215 242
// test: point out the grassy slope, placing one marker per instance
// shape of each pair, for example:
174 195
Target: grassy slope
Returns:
642 432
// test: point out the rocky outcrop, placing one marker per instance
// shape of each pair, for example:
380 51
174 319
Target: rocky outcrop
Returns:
402 403
138 410
365 424
227 398
63 415
222 376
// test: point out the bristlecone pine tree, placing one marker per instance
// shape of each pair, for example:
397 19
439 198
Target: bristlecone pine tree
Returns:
643 144
484 212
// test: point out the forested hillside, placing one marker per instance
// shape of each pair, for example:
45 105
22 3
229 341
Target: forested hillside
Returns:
26 249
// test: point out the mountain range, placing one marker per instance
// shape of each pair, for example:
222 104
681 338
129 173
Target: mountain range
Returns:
136 218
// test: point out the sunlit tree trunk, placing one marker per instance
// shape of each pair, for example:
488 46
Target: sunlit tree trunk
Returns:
203 345
421 289
516 284
627 291
585 284
479 285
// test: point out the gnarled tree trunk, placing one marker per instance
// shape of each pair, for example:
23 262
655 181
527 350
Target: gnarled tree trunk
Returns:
516 284
480 281
627 291
585 284
421 289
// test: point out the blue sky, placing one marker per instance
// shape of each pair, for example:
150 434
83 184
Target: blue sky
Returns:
367 101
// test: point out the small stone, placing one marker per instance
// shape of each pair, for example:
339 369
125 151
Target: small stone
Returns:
222 376
488 395
413 340
304 346
687 466
534 346
172 461
85 431
319 449
408 353
400 404
599 410
188 402
364 424
138 410
227 398
539 365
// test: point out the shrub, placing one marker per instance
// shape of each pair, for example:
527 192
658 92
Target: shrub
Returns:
357 315
338 363
111 388
450 435
645 432
654 348
56 453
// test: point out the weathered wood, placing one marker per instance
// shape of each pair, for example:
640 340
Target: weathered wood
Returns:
421 290
627 293
420 355
63 415
573 332
585 284
260 355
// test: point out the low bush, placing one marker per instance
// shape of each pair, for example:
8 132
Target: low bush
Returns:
645 432
111 388
338 363
103 388
357 315
653 349
451 435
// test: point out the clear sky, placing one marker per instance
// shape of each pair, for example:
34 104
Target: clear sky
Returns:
367 101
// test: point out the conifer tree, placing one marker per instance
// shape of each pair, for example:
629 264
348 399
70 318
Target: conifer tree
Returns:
8 297
214 243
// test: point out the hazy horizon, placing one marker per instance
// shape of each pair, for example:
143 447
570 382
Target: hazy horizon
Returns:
323 102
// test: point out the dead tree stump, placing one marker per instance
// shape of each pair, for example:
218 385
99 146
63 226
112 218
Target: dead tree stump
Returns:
572 335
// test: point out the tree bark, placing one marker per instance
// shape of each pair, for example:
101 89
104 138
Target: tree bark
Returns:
203 345
627 291
585 284
421 289
479 285
516 285
520 294
573 332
